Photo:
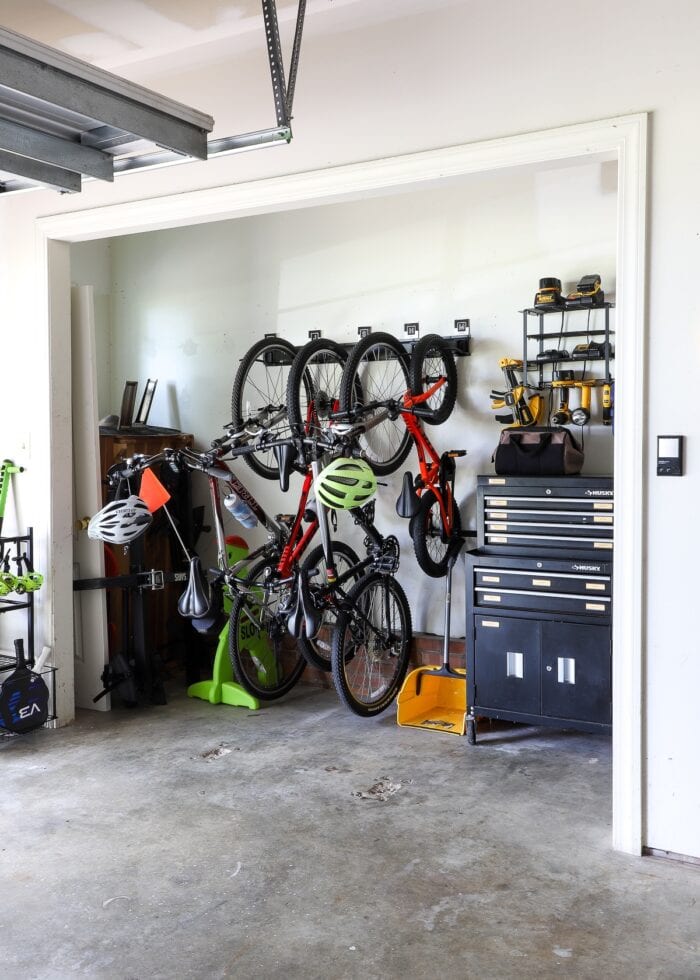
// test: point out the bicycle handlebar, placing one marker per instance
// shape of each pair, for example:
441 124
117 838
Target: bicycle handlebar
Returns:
336 438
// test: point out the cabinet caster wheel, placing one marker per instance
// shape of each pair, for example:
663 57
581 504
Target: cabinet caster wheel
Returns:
471 732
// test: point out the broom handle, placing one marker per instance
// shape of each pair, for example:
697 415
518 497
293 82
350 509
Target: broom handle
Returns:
448 612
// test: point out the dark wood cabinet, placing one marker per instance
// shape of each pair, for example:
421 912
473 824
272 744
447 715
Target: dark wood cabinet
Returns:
157 550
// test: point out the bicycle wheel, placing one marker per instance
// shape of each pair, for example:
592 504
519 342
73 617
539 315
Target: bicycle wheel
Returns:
261 382
377 371
265 659
430 361
371 644
430 542
318 650
313 387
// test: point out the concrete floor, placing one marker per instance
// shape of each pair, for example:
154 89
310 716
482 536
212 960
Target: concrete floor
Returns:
199 841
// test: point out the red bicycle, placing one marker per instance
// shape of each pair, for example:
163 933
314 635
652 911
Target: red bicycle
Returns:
422 387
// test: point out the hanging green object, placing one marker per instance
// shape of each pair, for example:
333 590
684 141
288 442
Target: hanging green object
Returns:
7 468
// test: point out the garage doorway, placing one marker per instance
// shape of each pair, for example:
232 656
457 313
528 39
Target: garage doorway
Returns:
625 138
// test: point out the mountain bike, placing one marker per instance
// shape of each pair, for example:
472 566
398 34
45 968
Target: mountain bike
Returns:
369 626
380 375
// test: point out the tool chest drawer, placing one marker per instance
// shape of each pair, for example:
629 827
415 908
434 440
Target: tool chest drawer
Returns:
545 515
540 584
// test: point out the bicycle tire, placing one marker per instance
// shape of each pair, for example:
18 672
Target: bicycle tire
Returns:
387 445
432 359
429 541
280 666
353 663
314 650
312 378
270 389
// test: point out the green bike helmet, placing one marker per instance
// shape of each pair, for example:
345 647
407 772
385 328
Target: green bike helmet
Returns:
345 483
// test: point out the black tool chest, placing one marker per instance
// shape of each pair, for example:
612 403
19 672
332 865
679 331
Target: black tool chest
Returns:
539 602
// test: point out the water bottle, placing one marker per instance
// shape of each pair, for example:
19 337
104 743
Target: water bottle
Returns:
240 510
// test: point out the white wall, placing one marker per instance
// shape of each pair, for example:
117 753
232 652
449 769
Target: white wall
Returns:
187 303
462 73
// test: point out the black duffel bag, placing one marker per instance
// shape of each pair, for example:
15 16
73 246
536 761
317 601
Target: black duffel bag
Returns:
537 451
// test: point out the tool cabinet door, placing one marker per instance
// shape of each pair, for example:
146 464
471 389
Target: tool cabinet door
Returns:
507 664
576 672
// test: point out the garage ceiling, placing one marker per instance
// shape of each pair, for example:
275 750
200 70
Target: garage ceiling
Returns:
135 39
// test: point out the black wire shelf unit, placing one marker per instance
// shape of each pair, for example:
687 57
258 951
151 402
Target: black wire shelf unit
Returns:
541 335
20 548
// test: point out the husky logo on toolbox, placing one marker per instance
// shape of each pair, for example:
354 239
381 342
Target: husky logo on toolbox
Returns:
587 568
599 493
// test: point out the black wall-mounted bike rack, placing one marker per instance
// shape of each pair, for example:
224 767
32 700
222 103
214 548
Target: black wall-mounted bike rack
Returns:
459 345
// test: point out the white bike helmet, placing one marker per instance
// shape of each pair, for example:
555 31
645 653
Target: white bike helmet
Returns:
120 521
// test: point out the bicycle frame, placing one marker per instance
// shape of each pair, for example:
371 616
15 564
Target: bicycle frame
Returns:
431 471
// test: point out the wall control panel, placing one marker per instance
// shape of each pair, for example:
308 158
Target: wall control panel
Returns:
669 455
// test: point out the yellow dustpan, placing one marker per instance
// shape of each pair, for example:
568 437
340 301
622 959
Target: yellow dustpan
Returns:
435 698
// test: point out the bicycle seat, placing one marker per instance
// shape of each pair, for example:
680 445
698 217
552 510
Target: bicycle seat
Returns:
408 500
194 601
304 619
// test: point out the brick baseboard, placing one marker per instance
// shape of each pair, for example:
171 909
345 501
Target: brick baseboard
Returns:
426 651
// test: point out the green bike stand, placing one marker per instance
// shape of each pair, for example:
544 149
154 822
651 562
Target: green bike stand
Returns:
222 689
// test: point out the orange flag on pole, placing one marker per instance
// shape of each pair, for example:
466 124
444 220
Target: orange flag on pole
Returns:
152 491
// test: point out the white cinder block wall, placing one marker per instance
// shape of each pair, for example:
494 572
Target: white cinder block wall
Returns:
458 74
187 303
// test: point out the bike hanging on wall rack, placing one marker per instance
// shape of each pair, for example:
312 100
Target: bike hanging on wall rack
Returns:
380 375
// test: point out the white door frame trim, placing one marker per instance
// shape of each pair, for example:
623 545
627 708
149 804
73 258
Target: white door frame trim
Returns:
626 138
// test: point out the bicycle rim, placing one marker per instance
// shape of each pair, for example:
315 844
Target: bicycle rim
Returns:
371 644
317 651
265 659
260 383
377 371
313 389
430 542
431 360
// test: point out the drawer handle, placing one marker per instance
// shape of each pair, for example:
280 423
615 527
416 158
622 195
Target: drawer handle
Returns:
544 582
595 586
491 578
566 670
602 519
491 598
595 607
514 664
491 623
606 545
600 506
497 539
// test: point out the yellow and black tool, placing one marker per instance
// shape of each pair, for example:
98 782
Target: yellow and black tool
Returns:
587 293
607 404
562 416
524 411
548 296
582 414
